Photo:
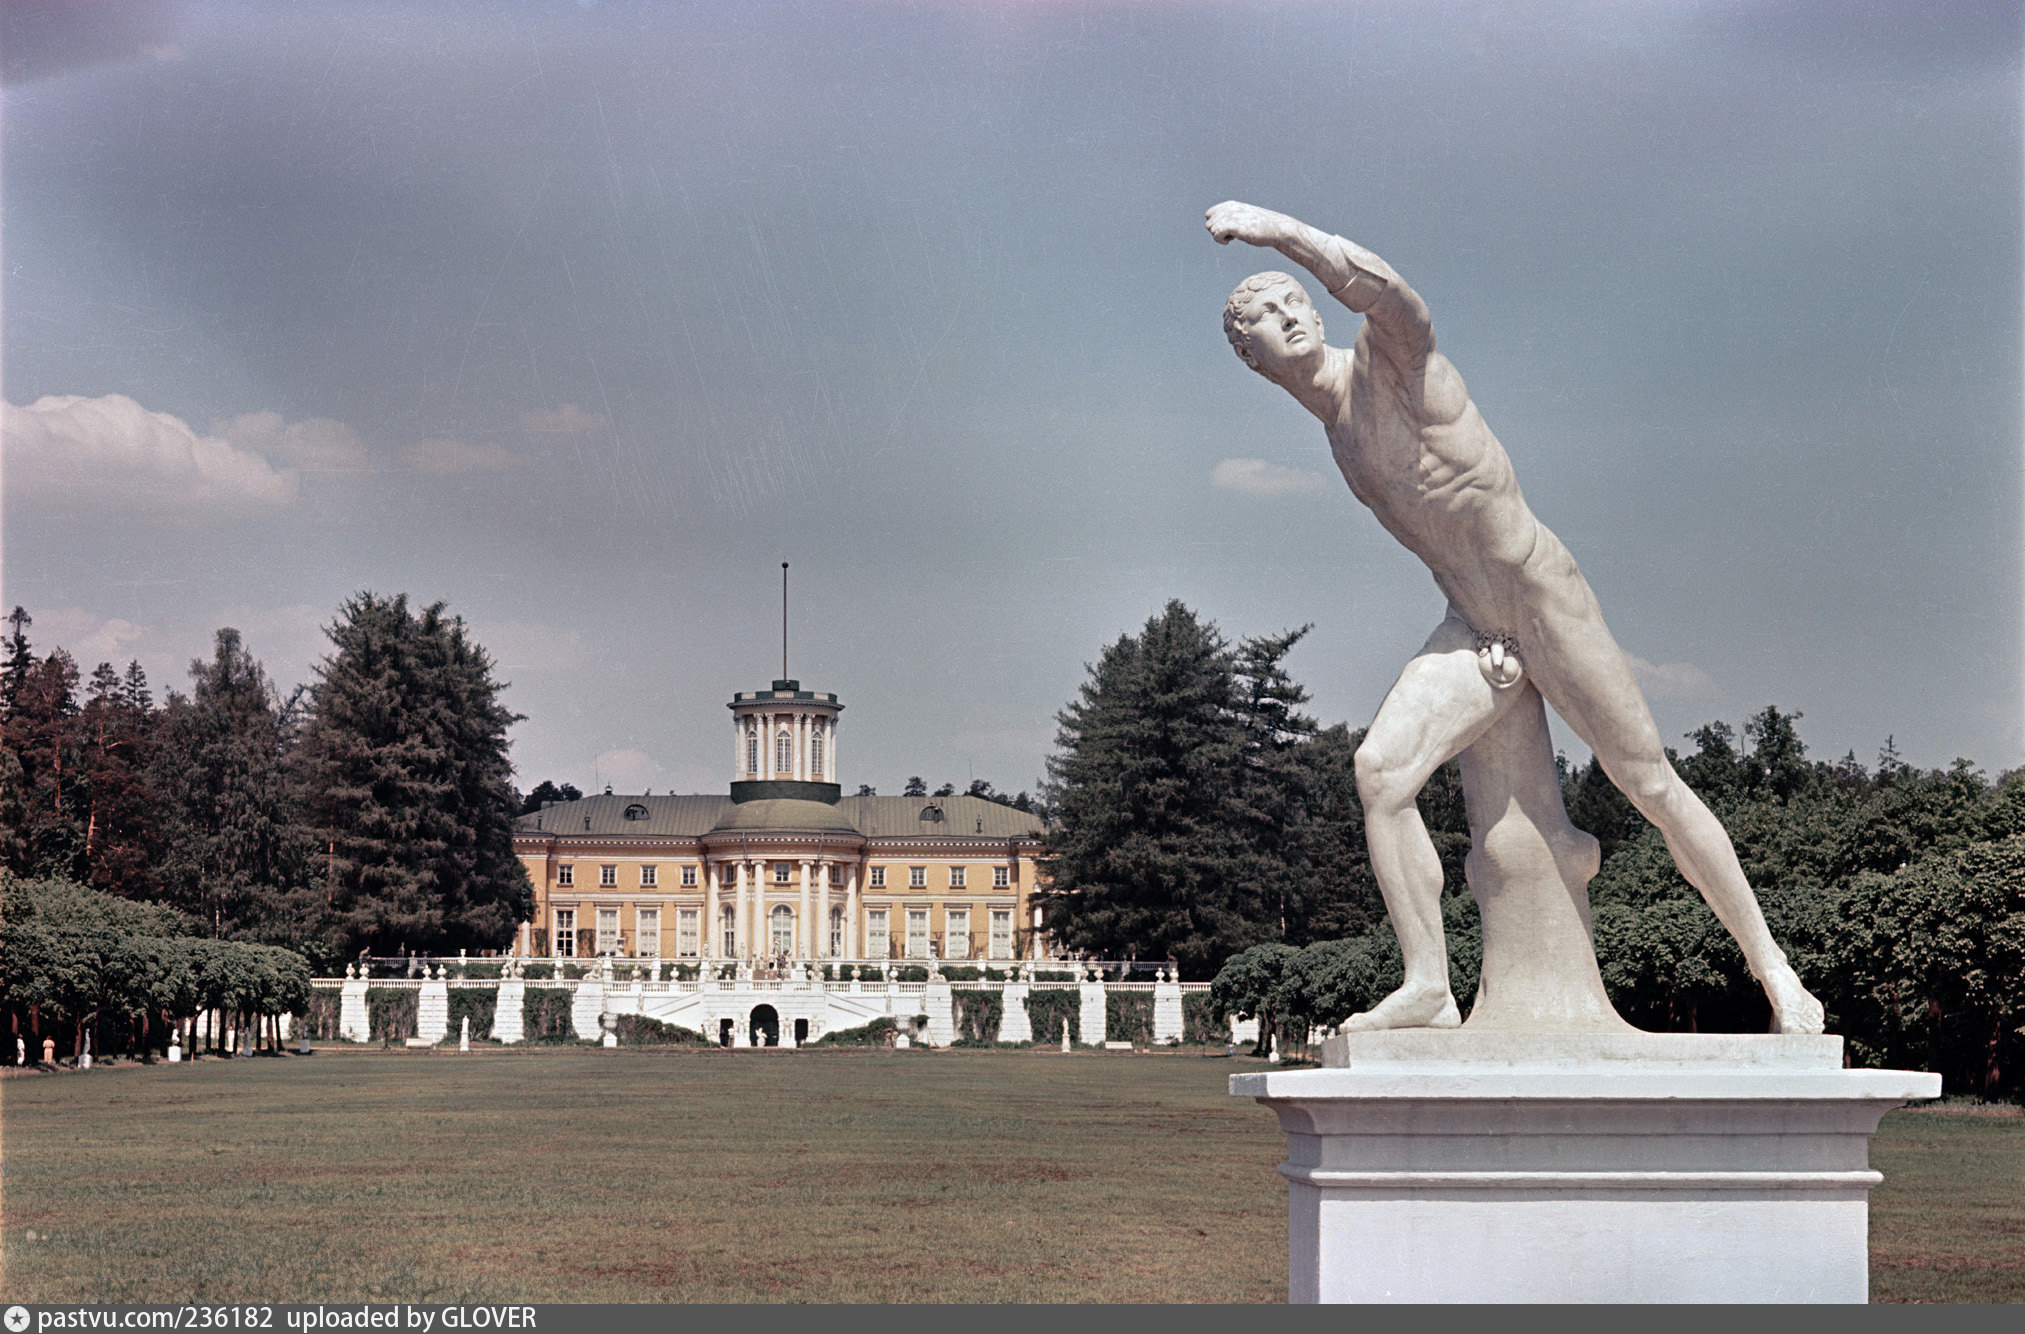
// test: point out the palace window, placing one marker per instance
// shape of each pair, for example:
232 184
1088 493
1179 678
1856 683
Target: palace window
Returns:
956 934
816 755
917 933
648 946
783 752
685 933
917 877
565 876
752 750
566 933
608 931
836 933
730 937
876 939
781 872
836 873
878 880
647 877
688 877
608 877
1001 877
1001 933
783 936
956 877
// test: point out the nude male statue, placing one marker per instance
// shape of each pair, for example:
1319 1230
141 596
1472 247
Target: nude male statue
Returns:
1416 451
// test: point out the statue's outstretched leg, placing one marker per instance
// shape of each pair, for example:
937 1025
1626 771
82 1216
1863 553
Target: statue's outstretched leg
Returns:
1590 684
1441 703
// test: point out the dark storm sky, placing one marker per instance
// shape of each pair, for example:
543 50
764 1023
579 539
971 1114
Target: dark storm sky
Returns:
585 317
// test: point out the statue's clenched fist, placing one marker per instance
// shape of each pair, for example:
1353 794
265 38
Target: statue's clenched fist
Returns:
1232 221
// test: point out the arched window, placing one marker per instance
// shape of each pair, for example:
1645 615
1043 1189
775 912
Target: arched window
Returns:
783 752
836 933
729 918
783 929
816 755
752 750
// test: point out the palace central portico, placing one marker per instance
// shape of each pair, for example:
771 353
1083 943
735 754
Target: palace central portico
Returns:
784 869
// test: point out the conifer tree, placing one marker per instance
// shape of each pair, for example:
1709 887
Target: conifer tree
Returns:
41 771
231 853
404 777
121 843
1157 849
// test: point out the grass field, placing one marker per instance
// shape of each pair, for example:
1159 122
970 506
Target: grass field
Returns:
665 1175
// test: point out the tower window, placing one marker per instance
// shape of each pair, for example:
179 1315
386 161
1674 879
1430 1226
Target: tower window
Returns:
783 752
816 755
752 750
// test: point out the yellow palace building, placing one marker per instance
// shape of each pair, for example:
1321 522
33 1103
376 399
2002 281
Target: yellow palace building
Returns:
784 868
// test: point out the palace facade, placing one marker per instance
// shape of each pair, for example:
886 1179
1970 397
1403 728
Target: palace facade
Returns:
784 866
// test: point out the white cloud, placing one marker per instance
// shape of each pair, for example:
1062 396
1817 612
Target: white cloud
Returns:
1259 477
625 770
517 646
569 419
112 451
90 638
315 444
451 458
1671 680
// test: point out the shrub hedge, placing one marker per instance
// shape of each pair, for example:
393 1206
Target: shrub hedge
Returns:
1048 1009
390 1013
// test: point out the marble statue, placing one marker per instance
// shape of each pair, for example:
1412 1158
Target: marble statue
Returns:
1522 625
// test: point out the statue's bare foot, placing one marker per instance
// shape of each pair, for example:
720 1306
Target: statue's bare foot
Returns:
1409 1007
1794 1009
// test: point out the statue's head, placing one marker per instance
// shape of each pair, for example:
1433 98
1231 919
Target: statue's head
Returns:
1272 325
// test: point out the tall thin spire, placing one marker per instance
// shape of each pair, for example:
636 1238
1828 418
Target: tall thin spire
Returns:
783 619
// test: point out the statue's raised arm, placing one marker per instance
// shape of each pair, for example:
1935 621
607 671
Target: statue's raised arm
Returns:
1399 323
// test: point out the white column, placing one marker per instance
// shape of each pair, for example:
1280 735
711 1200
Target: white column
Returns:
851 911
805 939
822 922
829 750
706 948
737 747
802 747
739 938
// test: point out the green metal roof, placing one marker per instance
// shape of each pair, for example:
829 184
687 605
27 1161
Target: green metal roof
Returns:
604 816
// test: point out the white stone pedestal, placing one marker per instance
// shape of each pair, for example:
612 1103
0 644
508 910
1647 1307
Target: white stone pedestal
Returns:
1014 1023
1167 1012
432 1012
508 1011
940 1006
354 1024
1465 1166
1090 1015
588 1005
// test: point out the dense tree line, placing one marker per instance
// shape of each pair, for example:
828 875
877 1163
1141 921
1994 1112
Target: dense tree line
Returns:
95 972
368 811
1203 817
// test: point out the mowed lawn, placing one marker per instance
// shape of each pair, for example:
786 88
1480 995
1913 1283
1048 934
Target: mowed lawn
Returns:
644 1175
668 1175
